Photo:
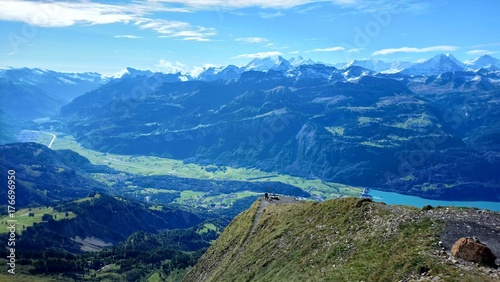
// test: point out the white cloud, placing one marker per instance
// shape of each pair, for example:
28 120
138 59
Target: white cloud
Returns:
383 6
60 14
330 49
486 45
170 67
177 29
271 15
355 50
127 36
231 4
356 5
480 52
257 55
196 38
293 52
388 51
251 39
57 13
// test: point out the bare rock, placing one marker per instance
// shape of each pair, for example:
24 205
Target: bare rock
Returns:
471 249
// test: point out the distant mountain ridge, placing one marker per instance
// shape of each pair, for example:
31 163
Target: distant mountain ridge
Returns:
352 125
27 94
435 65
60 85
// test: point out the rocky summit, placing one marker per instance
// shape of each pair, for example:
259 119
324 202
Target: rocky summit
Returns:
349 239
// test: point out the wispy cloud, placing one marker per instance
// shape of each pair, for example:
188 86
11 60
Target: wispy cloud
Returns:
330 49
258 55
127 36
386 6
46 13
486 45
355 5
142 13
231 4
59 14
271 15
177 29
442 48
355 50
251 39
293 52
480 52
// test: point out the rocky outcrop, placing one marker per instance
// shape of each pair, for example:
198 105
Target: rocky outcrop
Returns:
472 250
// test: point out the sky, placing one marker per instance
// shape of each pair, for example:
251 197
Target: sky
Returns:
188 35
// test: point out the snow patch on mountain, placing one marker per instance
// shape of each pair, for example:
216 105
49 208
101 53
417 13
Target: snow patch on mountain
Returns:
485 61
435 65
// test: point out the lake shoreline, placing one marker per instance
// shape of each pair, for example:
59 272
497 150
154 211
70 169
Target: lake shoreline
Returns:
393 198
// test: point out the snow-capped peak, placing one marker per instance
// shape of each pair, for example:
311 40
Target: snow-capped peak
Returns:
435 65
300 61
483 62
266 64
131 72
371 64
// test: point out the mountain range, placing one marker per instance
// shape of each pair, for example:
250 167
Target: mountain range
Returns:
44 92
428 135
430 129
27 94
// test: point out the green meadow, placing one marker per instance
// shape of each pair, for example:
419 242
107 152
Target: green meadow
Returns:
24 220
150 165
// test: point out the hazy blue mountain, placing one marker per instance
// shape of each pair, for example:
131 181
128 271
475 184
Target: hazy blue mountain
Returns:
25 101
7 129
59 85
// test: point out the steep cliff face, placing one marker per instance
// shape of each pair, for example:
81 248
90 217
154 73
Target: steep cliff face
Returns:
347 240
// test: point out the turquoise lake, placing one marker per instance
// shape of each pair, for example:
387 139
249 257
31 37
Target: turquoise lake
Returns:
398 199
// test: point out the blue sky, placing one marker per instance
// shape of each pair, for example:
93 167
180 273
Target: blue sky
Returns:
182 35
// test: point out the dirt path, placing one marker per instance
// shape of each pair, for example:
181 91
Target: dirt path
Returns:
264 204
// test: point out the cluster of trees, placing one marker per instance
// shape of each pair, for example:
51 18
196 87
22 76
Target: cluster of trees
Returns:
139 256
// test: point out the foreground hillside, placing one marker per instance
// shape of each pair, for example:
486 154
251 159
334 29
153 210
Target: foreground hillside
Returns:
347 240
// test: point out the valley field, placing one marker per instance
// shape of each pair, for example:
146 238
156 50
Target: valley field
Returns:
27 217
153 166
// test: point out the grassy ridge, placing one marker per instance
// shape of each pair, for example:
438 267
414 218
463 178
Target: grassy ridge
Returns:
339 240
